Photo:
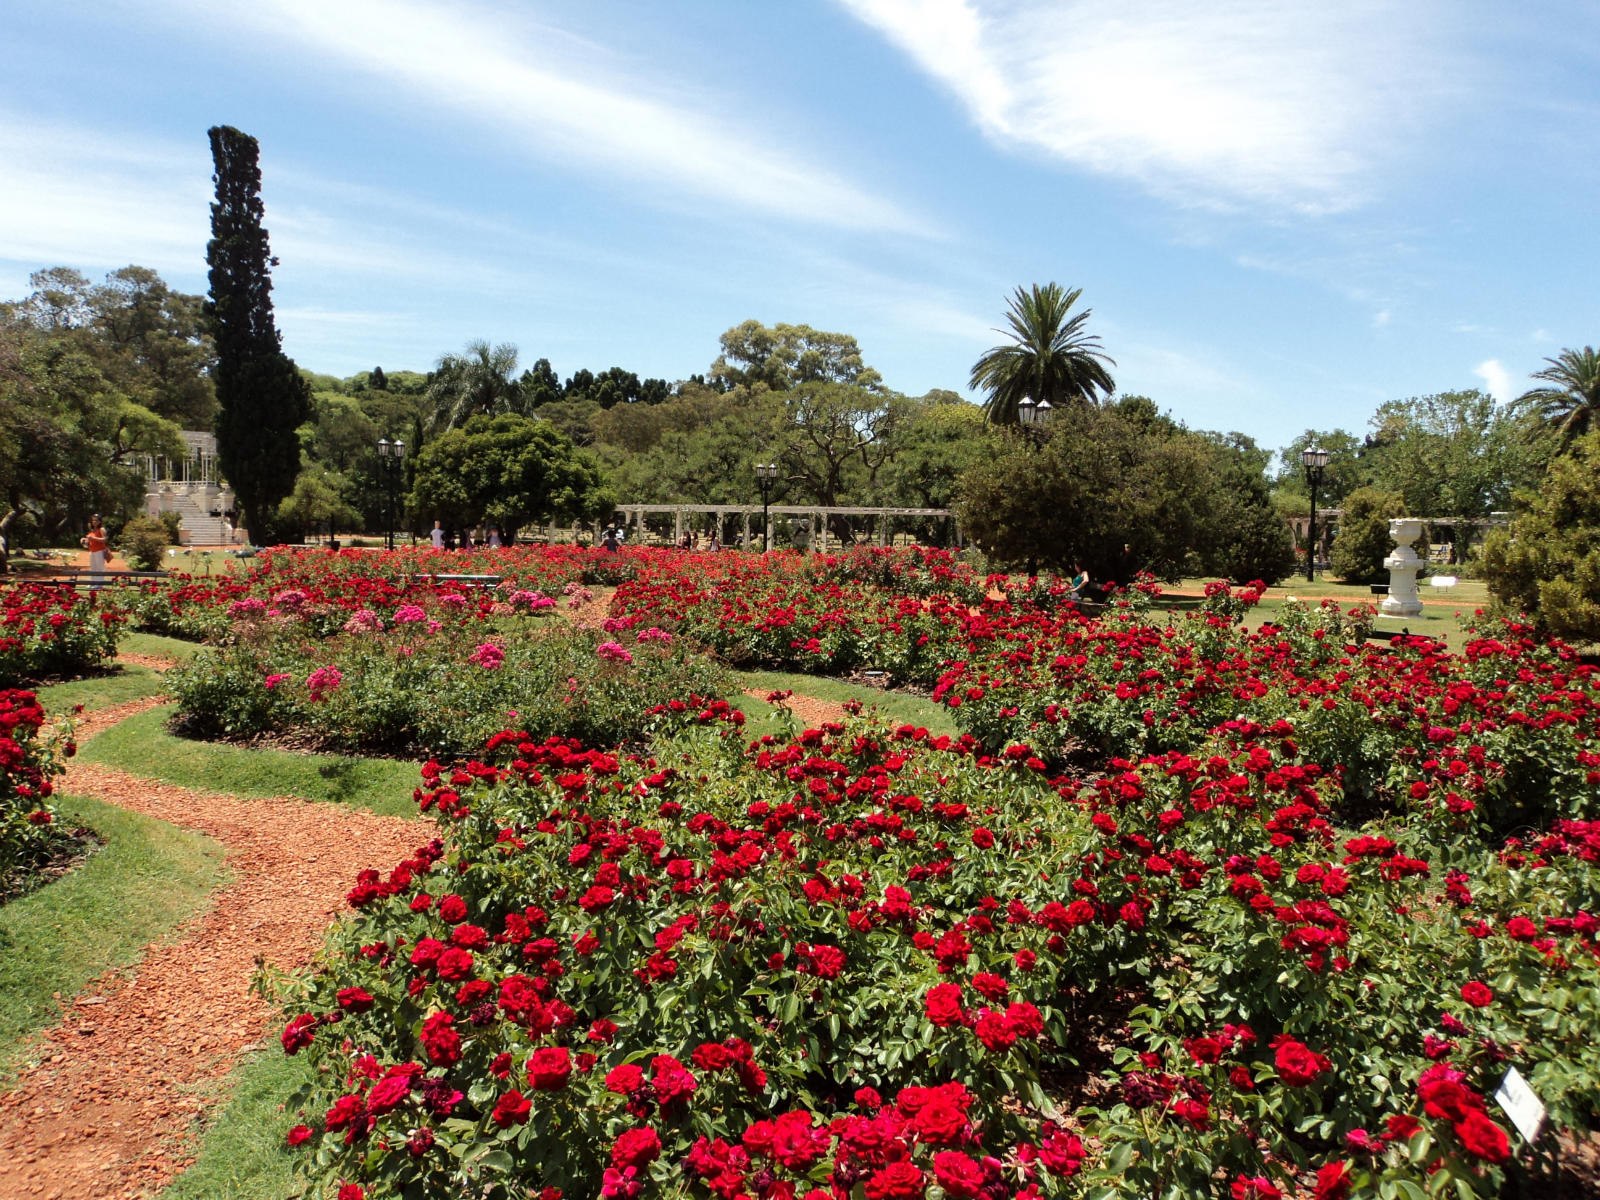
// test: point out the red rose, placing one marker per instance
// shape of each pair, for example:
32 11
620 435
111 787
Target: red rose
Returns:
1062 1153
671 1079
898 1181
940 1121
636 1148
1258 1187
1477 994
388 1093
549 1068
1298 1064
355 999
452 908
624 1079
982 838
943 1005
512 1109
958 1174
351 1191
1483 1138
1333 1182
994 1031
299 1135
298 1033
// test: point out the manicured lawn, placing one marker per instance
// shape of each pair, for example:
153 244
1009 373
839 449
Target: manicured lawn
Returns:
142 746
243 1156
134 642
146 879
117 686
899 707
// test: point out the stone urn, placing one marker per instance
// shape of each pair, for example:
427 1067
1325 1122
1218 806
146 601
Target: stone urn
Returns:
1403 564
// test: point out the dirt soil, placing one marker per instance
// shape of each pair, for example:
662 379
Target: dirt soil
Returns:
119 1090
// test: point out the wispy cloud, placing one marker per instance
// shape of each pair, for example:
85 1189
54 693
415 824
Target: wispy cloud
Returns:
568 102
1496 379
1221 103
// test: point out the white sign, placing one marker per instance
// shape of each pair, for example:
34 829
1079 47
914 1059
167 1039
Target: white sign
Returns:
1524 1108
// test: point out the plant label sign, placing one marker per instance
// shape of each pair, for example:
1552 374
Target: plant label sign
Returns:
1524 1108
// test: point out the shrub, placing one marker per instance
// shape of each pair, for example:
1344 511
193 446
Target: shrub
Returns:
29 762
1547 563
174 525
144 542
397 685
48 630
1363 541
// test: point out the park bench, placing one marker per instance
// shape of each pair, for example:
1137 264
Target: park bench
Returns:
83 577
482 582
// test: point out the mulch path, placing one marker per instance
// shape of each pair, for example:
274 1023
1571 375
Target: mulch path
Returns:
810 711
114 1105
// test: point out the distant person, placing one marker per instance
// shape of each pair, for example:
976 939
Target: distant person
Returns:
608 539
97 543
714 545
436 536
1079 581
1127 565
494 537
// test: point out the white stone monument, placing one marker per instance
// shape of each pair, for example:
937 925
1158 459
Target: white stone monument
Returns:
1403 564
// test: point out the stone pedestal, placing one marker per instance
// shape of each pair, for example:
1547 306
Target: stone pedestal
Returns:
1403 564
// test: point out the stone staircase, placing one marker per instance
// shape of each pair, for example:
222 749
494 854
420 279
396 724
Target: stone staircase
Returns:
200 528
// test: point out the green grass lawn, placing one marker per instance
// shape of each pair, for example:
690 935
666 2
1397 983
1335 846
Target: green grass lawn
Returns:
117 686
142 746
902 708
147 878
243 1155
158 645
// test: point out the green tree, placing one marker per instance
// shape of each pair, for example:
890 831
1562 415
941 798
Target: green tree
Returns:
508 471
1546 563
1452 454
1345 472
479 382
780 357
156 346
1049 357
1247 537
1363 540
540 384
1571 395
318 503
261 398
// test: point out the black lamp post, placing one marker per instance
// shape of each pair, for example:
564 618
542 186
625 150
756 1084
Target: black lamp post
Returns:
766 475
391 459
1034 417
1314 459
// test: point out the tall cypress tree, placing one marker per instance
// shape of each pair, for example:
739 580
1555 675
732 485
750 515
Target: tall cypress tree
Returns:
261 396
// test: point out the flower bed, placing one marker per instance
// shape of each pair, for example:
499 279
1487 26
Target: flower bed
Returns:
29 762
406 683
870 962
50 631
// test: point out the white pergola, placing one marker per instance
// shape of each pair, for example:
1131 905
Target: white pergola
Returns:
818 514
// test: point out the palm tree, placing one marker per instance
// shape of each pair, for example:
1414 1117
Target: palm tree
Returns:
1049 356
481 380
1568 404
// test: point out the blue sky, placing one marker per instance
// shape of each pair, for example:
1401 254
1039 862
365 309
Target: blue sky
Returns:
1282 213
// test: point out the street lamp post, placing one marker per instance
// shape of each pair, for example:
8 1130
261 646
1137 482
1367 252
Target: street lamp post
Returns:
1314 459
391 457
1034 417
766 474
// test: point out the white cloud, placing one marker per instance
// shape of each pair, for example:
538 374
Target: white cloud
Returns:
1496 379
567 102
1381 318
1213 104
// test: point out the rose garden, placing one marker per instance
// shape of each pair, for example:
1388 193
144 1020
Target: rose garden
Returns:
1138 903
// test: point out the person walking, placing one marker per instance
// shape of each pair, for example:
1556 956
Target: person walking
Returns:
97 543
436 535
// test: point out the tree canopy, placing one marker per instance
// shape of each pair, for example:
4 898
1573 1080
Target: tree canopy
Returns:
1049 356
261 398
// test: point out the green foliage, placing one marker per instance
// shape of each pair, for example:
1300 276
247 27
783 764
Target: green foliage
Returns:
1457 454
262 399
143 542
776 358
1363 541
1049 357
317 503
1105 476
413 692
30 759
506 471
1344 473
1568 402
479 382
1547 562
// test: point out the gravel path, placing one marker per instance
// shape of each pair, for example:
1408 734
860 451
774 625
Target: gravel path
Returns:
142 1055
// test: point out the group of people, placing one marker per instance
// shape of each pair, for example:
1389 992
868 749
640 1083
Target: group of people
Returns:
445 539
1084 588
